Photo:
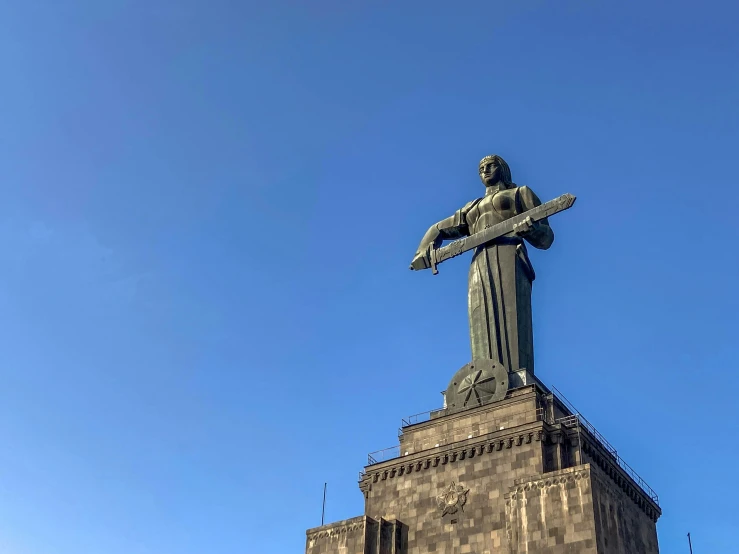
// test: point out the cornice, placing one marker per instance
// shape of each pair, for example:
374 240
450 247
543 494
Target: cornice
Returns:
620 479
338 530
548 480
451 454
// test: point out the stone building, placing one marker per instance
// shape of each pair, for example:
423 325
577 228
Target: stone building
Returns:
522 474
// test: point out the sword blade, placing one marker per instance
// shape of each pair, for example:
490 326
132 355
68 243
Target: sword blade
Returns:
457 247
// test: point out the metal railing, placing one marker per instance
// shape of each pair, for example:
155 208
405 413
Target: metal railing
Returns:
589 426
417 418
577 419
383 455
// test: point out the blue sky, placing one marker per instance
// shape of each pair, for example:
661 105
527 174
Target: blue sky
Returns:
206 218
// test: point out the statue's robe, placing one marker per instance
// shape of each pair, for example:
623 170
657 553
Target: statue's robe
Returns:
500 278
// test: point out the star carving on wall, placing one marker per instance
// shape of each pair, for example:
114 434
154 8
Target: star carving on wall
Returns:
478 385
452 499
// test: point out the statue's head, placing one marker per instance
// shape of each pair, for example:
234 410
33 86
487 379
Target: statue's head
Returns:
494 170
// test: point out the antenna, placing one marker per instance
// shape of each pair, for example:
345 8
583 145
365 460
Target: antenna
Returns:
323 510
690 544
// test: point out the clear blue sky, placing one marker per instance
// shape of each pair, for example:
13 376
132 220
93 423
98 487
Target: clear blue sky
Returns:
206 218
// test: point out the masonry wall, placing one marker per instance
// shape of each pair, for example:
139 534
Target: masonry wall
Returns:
409 491
512 412
359 535
343 537
622 526
553 514
522 484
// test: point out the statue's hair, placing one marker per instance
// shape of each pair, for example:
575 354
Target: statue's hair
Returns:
505 171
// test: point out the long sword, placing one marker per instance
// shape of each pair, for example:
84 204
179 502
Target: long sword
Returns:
454 249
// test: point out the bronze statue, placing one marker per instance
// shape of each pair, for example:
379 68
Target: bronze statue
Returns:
500 278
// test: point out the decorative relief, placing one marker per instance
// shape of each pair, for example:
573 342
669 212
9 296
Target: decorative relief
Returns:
548 482
452 499
477 386
477 383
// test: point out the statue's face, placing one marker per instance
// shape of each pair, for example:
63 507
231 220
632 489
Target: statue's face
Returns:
490 173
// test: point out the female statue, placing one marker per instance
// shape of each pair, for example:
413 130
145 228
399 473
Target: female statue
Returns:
500 278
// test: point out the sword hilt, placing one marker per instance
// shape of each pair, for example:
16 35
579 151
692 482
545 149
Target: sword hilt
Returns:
433 260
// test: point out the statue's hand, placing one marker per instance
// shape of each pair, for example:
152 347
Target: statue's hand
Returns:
524 228
420 261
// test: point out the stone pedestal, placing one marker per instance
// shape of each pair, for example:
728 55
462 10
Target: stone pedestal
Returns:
519 475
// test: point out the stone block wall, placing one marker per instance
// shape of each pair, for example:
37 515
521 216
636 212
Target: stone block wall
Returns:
621 524
506 477
343 537
552 514
443 430
359 535
409 490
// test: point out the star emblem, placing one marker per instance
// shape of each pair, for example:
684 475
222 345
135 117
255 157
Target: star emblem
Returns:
452 499
479 386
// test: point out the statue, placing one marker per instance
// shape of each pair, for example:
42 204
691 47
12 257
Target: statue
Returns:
500 277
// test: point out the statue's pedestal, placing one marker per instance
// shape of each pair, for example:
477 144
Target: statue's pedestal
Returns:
519 475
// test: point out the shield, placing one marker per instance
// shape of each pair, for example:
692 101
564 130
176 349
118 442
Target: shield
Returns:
477 383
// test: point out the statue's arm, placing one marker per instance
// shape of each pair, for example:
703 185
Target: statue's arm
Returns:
446 229
451 228
540 235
